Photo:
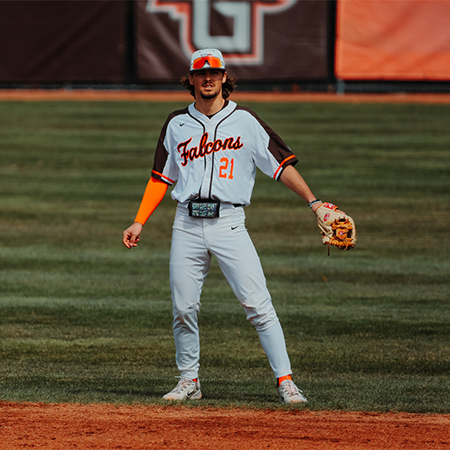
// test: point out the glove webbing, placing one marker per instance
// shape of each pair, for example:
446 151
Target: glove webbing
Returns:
341 228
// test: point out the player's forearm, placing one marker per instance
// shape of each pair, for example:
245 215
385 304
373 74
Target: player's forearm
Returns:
295 182
153 195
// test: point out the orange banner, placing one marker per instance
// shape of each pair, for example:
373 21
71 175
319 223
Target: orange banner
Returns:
393 40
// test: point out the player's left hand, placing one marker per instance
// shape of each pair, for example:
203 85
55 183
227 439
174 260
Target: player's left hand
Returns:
337 228
131 235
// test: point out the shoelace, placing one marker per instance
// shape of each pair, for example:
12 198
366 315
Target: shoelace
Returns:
290 388
182 384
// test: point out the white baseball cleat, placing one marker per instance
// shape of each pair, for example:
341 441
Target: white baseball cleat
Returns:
290 393
186 389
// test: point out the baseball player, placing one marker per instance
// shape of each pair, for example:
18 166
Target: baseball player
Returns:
210 151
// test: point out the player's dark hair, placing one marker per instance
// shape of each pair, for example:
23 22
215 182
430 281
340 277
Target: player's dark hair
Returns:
227 88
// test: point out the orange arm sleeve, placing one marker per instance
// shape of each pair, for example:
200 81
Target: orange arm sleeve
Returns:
154 193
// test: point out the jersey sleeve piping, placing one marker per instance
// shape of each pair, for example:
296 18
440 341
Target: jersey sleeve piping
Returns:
290 160
161 177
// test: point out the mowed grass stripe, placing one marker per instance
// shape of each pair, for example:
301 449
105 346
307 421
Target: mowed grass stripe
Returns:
85 320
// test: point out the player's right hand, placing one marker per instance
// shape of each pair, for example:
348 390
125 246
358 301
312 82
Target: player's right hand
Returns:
131 235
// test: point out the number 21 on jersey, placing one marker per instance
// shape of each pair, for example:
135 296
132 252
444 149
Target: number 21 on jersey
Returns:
227 167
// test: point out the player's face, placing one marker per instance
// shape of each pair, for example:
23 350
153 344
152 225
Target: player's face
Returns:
208 82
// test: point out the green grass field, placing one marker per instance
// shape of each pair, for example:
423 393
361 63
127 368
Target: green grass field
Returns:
83 319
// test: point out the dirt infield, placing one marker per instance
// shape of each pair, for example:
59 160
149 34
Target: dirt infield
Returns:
121 95
64 426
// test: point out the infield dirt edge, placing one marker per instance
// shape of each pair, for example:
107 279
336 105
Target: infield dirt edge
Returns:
178 96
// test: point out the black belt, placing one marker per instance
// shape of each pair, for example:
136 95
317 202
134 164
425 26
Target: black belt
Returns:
237 205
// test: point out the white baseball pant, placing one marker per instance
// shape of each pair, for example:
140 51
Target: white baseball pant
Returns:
193 242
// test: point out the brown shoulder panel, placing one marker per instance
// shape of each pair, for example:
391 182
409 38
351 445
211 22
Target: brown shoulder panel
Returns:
161 152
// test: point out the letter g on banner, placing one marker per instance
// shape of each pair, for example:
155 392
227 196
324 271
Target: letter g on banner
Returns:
244 46
238 11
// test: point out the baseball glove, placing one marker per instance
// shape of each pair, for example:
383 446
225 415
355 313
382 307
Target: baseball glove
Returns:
338 229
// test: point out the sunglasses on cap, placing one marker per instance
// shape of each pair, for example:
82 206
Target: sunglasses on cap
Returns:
213 62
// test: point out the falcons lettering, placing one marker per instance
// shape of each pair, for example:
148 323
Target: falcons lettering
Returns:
206 148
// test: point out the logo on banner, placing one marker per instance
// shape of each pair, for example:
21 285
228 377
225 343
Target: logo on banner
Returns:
244 46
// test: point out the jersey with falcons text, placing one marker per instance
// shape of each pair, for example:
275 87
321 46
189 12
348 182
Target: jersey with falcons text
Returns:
217 157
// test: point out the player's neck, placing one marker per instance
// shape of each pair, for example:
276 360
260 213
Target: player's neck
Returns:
209 106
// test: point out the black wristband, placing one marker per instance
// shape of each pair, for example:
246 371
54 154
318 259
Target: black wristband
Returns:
310 204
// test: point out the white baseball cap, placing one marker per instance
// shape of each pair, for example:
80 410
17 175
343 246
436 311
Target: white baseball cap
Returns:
208 58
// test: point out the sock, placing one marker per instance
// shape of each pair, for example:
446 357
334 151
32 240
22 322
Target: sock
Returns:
281 379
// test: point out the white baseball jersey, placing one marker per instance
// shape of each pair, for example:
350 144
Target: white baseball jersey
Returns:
217 157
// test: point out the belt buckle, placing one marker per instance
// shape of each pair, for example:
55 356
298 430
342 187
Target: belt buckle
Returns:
204 208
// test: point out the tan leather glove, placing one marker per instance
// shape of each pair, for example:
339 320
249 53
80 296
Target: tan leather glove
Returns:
337 228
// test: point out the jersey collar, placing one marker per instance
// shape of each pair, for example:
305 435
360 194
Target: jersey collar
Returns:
224 112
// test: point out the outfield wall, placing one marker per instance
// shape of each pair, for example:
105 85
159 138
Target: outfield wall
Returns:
148 42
